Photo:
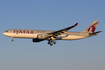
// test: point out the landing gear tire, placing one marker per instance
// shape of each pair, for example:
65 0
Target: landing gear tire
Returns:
54 42
48 42
51 44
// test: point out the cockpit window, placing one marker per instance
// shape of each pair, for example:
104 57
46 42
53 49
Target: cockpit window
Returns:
6 31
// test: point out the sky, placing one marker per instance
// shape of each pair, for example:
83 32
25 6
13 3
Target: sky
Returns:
23 54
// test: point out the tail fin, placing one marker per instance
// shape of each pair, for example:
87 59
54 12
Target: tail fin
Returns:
92 27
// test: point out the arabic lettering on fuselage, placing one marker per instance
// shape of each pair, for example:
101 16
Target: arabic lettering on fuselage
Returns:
23 31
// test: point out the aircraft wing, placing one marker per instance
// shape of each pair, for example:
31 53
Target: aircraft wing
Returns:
59 32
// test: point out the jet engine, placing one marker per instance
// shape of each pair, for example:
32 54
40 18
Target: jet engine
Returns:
37 40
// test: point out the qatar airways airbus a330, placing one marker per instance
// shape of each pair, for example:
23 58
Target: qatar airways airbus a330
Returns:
51 36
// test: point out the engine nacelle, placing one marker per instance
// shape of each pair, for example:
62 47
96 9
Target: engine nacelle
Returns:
41 36
37 40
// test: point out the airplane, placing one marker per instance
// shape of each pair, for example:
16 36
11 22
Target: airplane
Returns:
51 36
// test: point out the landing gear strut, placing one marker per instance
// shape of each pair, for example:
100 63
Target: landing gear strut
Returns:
12 39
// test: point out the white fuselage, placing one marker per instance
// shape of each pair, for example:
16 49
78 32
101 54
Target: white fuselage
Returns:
20 33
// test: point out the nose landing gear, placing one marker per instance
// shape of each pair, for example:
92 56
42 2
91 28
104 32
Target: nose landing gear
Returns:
12 39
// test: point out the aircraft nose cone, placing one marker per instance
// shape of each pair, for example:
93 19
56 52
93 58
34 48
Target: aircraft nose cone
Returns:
4 33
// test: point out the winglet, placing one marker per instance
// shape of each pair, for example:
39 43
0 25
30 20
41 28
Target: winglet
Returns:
76 24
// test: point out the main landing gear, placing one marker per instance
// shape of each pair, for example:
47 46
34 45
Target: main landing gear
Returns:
51 42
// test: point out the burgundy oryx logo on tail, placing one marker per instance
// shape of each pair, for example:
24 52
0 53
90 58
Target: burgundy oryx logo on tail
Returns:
92 27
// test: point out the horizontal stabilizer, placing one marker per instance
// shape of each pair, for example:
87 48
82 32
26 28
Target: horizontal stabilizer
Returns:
95 33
